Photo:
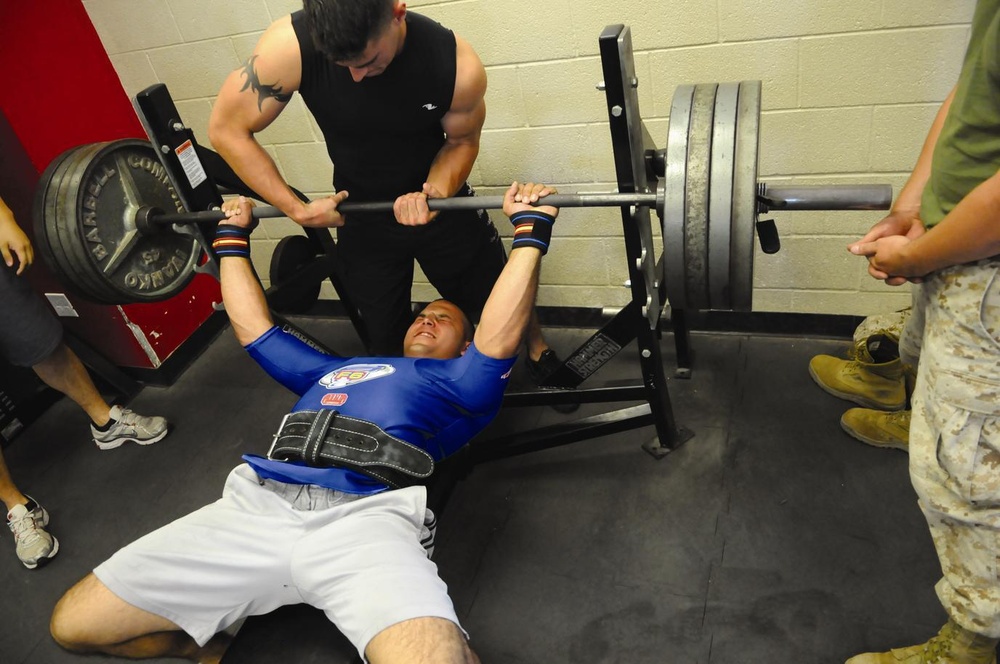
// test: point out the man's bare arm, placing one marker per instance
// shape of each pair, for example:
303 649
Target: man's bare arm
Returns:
911 193
971 231
463 126
509 306
251 98
242 294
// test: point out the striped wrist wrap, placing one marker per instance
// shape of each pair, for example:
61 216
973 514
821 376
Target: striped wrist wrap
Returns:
231 241
532 229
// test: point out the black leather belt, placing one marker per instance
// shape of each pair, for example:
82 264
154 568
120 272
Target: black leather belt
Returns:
325 438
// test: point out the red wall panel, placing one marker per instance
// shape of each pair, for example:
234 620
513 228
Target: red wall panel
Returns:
59 91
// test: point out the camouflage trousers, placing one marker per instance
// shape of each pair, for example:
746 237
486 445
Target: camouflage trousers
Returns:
955 436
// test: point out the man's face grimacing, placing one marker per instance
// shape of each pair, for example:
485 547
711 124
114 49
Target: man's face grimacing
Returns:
438 332
381 50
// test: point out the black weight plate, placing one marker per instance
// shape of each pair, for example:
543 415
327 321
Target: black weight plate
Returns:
66 257
292 254
63 227
103 189
40 215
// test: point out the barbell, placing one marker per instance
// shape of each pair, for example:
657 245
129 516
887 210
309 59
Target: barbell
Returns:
109 223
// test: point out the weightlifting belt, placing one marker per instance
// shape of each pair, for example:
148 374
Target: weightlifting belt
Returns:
325 438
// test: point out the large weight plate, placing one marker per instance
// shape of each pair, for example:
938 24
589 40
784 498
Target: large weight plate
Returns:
49 205
674 195
744 196
721 199
88 200
40 213
74 253
710 195
696 219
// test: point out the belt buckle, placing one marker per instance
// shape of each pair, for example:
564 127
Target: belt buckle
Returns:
277 434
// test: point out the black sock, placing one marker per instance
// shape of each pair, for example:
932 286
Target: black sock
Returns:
107 425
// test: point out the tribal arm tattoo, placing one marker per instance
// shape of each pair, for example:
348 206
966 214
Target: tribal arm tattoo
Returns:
263 90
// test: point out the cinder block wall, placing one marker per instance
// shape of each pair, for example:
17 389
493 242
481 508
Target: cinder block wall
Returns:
849 90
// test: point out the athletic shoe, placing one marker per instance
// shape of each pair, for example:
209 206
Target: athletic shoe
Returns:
952 645
547 364
33 545
428 531
128 426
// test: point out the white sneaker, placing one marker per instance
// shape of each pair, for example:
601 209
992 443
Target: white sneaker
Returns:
128 426
428 531
33 545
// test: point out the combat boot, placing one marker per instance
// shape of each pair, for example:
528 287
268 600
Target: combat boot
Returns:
952 645
878 428
874 379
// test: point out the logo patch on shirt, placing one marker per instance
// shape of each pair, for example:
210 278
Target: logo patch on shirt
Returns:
428 107
354 374
334 399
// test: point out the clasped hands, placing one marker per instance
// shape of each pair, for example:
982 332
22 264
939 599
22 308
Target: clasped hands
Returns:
886 246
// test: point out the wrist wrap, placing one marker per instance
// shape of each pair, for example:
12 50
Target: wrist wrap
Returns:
532 229
231 241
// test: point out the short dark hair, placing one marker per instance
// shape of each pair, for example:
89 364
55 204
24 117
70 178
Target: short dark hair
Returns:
468 328
341 29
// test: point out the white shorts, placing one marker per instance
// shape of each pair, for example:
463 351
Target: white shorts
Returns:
268 544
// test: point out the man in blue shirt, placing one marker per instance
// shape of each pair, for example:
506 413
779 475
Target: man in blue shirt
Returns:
335 515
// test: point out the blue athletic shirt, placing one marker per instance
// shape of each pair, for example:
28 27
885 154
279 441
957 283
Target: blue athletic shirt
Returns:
437 405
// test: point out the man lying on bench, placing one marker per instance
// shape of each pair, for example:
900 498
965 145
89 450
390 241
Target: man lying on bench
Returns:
334 516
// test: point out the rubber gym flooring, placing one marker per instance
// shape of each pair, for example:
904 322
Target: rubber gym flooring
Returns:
770 536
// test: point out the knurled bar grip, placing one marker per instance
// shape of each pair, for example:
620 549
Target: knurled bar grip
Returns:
461 203
819 197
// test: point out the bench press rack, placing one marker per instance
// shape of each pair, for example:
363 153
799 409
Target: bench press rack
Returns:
703 185
200 176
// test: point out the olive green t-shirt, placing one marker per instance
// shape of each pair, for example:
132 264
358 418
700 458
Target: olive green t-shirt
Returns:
968 150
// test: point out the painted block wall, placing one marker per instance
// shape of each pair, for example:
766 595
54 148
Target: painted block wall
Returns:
849 90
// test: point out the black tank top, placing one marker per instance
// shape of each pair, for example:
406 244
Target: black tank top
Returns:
382 133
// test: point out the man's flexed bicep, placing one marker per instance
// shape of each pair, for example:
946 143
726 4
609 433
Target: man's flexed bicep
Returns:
462 124
256 92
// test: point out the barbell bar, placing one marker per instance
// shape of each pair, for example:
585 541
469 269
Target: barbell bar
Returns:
814 197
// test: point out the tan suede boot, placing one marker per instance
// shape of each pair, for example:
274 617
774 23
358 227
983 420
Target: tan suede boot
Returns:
874 379
878 428
952 645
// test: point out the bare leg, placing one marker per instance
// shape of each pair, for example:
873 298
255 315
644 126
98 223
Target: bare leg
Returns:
533 338
63 371
9 493
421 641
91 618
